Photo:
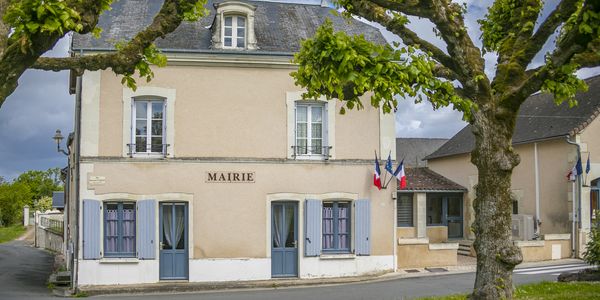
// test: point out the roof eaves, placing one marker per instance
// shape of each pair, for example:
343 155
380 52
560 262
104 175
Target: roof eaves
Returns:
579 128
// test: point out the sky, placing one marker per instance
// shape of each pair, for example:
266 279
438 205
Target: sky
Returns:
41 104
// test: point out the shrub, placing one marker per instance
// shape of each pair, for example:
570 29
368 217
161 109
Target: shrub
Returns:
592 252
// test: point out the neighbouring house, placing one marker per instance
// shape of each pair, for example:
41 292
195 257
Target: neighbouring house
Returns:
413 150
217 170
546 207
58 200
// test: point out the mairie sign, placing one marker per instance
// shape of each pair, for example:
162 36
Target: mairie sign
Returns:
229 177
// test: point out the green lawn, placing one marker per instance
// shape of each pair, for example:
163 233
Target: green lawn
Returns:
547 290
11 232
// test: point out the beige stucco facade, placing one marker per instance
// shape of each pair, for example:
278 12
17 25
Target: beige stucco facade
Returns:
555 158
228 117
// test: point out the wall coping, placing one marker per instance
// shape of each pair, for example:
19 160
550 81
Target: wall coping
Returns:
413 241
530 243
443 246
556 237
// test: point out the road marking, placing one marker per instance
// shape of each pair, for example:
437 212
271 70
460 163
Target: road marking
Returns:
548 267
554 271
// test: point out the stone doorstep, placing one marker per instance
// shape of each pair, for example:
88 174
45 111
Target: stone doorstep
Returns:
188 287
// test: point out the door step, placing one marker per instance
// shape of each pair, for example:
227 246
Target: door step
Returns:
464 248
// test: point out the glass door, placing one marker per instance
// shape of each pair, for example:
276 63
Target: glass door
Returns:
284 239
173 241
454 217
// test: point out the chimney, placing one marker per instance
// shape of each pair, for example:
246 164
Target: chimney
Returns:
326 3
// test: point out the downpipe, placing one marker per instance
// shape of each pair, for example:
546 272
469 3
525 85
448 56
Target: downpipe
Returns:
576 204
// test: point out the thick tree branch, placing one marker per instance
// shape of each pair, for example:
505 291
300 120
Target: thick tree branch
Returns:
378 14
4 28
449 20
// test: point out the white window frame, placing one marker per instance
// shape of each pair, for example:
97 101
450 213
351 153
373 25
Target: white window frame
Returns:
293 98
168 95
149 101
309 105
234 30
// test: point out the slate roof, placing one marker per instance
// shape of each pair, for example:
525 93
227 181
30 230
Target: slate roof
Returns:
413 150
58 200
424 179
279 27
539 119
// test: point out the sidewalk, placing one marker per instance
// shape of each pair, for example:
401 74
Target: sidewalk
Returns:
191 287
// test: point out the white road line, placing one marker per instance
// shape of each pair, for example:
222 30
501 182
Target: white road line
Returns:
561 270
548 267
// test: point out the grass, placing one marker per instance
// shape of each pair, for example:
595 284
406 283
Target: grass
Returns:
547 290
10 233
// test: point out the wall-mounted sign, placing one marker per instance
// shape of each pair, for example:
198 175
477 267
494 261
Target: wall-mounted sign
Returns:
229 177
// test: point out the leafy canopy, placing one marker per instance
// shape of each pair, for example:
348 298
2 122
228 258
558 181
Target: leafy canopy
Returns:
336 65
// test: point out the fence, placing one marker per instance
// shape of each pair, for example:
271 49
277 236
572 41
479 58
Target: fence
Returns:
49 231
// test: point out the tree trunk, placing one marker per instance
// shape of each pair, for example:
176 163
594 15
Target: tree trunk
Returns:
495 159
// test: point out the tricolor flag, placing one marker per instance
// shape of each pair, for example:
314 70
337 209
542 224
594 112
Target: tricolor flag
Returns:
377 175
576 171
399 173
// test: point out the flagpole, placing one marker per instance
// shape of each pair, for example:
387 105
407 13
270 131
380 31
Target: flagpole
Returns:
385 176
394 176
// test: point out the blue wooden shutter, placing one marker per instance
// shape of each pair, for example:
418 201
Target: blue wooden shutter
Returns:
312 225
91 229
362 227
146 229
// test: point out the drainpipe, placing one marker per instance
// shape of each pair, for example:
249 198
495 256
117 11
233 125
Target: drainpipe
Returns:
576 200
76 157
538 222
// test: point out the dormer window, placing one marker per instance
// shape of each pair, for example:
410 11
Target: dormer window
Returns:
233 26
234 32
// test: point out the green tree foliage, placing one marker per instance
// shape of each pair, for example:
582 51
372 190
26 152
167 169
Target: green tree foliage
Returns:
33 188
592 252
29 28
352 69
13 197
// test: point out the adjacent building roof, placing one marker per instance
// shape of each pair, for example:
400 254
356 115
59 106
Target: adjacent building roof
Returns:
279 27
539 119
424 179
58 200
413 150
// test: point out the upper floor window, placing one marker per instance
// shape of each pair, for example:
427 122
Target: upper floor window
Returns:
310 130
148 136
234 32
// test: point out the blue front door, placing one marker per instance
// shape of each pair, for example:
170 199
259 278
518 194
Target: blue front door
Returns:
284 239
173 241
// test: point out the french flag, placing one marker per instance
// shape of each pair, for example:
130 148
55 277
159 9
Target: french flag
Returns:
377 175
399 173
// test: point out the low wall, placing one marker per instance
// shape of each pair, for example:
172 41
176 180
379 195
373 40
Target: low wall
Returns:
554 246
419 253
49 231
437 234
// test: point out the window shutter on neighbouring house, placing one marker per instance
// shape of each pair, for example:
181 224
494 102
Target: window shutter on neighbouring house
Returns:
146 225
312 225
362 227
91 229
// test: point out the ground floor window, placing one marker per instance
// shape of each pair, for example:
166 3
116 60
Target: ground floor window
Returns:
446 210
404 210
336 227
119 229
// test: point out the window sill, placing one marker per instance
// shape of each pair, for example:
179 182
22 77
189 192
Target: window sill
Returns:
117 260
310 157
337 256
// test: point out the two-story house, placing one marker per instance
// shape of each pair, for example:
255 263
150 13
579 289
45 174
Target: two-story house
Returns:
217 170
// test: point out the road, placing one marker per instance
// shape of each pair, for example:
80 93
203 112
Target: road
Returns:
396 289
24 271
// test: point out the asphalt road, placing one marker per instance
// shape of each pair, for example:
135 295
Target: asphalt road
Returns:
24 271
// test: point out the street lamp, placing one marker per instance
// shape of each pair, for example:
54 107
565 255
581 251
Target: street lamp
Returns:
58 137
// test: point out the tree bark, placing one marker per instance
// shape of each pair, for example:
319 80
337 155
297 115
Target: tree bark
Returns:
495 159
